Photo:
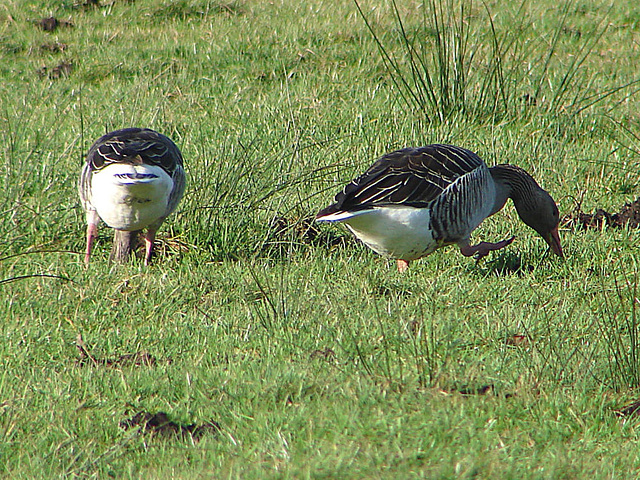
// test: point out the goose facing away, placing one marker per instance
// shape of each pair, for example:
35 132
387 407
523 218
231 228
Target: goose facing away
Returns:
412 201
132 179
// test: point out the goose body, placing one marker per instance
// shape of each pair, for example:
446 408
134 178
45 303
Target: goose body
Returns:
412 201
133 179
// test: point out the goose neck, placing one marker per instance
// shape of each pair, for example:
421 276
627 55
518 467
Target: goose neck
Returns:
514 182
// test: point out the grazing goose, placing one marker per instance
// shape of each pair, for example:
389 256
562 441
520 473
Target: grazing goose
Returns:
132 179
412 201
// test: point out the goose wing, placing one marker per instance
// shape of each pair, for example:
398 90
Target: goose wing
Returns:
135 145
412 177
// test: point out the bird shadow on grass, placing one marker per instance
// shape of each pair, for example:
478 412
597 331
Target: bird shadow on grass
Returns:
389 287
503 265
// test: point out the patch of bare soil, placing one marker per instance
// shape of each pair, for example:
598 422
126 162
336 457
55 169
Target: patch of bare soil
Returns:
415 327
63 69
53 47
51 24
517 340
628 216
477 390
324 354
160 424
139 358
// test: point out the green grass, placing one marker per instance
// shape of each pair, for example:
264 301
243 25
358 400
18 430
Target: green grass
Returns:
317 358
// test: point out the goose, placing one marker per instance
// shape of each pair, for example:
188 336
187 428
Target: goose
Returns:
132 180
413 201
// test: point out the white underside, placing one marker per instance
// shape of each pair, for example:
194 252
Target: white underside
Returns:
130 197
395 231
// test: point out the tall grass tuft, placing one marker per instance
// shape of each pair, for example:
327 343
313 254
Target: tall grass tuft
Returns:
619 325
457 61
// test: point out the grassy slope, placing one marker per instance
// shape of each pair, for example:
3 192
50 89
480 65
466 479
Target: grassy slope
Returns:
274 105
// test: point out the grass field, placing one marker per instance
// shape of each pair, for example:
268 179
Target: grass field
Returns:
314 357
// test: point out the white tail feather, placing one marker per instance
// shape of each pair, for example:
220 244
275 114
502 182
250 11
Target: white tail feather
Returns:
341 216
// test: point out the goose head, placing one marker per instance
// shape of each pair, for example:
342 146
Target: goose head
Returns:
539 211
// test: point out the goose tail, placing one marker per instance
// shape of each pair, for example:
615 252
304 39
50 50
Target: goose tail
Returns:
333 214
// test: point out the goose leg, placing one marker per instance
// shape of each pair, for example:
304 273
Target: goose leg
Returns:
402 265
92 233
149 238
483 248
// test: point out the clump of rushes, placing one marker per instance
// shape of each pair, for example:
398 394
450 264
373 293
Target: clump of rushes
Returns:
458 61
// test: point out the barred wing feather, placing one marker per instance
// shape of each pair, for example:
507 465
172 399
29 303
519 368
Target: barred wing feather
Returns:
410 177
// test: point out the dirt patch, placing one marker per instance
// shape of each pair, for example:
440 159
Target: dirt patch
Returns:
51 24
477 390
628 216
415 327
159 424
518 341
63 69
326 354
54 47
86 359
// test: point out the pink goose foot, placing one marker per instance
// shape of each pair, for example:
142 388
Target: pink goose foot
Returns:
483 248
402 265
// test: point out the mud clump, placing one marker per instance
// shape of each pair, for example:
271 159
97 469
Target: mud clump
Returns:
143 359
159 424
478 390
86 359
51 24
517 340
324 354
54 47
61 70
628 216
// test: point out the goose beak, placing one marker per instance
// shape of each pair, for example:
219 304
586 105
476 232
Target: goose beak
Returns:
553 239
